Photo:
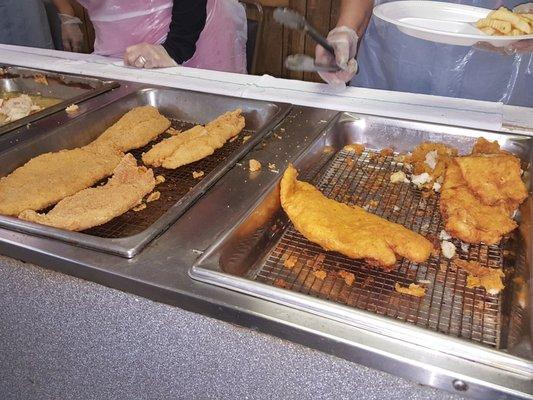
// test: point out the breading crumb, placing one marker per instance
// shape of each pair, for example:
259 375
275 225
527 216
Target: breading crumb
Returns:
348 277
172 131
159 179
399 177
197 174
140 207
413 290
234 138
320 274
254 165
73 108
290 262
281 283
153 196
443 235
246 138
479 276
355 147
271 166
420 180
40 78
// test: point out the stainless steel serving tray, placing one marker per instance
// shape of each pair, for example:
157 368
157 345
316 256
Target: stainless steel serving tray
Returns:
71 89
184 108
465 323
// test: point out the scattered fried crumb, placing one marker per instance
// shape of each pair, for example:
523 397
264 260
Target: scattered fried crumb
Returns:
368 281
424 281
350 162
159 179
399 177
328 150
355 147
479 276
271 166
448 249
153 196
320 274
73 108
234 138
140 207
254 165
290 262
465 247
348 277
197 174
371 204
396 208
386 152
246 138
483 146
281 283
40 78
277 136
421 180
413 290
173 131
436 187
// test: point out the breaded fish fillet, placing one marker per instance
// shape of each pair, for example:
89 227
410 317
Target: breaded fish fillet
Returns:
50 177
494 178
468 219
196 143
135 129
96 206
349 230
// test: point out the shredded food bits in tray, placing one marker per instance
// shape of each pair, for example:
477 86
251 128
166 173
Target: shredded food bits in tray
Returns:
435 294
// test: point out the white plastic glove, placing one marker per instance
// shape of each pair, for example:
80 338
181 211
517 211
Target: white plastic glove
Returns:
344 41
526 8
145 55
71 35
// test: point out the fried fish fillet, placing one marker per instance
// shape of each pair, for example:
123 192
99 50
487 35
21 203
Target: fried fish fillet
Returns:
349 230
196 143
50 177
494 178
135 129
468 219
96 206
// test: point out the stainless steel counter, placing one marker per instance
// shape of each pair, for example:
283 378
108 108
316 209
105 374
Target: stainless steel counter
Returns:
160 273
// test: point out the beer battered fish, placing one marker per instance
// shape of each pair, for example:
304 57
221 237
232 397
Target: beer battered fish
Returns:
135 129
348 230
196 143
466 217
96 206
50 177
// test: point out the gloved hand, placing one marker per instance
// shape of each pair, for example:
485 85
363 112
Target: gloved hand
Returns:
526 8
344 41
145 55
71 35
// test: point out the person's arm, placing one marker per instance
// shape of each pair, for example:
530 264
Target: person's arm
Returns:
188 21
71 35
353 20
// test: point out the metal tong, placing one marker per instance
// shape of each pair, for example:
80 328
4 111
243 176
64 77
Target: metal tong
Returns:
301 62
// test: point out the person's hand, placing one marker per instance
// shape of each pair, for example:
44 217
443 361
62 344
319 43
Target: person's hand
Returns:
145 55
344 42
71 35
526 8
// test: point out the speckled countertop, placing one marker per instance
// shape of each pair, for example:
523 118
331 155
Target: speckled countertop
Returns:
65 338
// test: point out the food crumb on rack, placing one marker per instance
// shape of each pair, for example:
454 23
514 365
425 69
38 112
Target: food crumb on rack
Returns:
73 108
399 177
349 277
421 180
40 78
436 187
234 138
412 290
396 208
443 235
355 147
367 281
320 274
281 283
159 179
197 174
465 247
479 276
246 138
140 207
254 165
153 196
387 151
448 249
173 131
328 150
290 262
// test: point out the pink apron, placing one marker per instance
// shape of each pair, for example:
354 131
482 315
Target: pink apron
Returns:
119 24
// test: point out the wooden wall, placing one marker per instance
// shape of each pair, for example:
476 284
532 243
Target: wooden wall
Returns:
277 42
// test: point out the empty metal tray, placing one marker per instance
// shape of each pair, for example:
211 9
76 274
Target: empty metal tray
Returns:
71 89
468 323
128 234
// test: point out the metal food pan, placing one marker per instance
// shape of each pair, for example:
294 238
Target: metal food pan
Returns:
128 234
468 323
71 89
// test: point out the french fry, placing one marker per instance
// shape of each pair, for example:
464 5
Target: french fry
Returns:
503 14
529 17
488 30
516 32
502 26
